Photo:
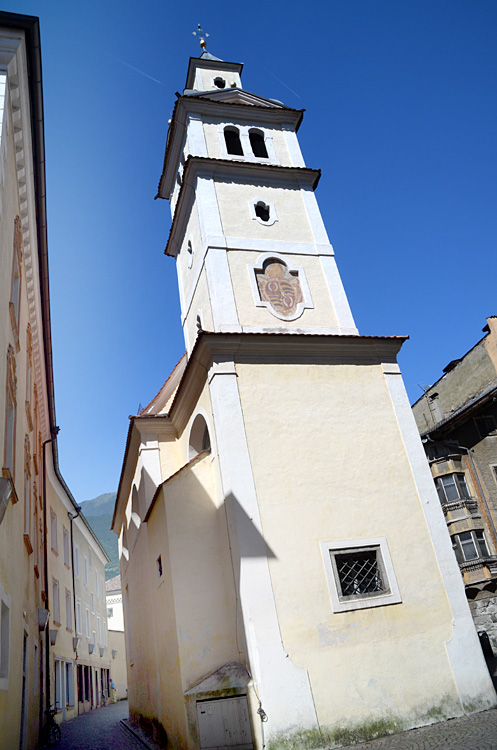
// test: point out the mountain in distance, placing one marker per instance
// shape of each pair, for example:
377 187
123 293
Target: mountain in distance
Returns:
98 512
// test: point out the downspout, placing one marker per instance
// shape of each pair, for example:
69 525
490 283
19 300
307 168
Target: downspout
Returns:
53 432
72 516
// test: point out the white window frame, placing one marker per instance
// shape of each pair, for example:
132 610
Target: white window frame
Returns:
87 621
68 610
273 217
53 531
99 632
76 561
363 601
65 539
248 154
85 570
92 599
78 617
56 601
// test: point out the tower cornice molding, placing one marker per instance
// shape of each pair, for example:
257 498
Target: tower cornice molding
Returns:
201 104
275 348
206 63
245 172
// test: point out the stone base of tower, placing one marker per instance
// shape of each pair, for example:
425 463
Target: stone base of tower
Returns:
293 562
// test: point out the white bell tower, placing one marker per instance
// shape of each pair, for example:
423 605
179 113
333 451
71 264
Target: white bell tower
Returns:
251 248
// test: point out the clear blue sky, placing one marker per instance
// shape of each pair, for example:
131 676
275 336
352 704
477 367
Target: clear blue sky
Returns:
401 100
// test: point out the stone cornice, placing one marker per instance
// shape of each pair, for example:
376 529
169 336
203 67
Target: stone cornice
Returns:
243 172
277 115
263 348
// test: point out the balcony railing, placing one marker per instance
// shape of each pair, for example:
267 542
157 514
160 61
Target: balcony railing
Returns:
490 562
464 502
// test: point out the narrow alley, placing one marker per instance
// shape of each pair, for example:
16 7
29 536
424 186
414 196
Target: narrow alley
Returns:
100 730
104 730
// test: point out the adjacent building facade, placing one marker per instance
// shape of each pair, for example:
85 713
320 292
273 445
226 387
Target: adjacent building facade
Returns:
285 566
457 419
117 644
38 515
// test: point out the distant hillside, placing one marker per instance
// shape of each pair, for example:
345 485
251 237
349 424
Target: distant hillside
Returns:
98 512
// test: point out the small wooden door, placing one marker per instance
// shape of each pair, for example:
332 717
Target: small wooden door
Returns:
224 724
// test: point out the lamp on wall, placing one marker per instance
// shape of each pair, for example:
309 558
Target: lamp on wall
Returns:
53 637
101 650
91 647
42 619
114 653
75 642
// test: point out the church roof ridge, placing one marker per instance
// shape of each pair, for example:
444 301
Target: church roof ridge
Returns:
207 56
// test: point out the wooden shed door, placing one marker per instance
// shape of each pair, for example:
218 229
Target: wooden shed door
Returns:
224 724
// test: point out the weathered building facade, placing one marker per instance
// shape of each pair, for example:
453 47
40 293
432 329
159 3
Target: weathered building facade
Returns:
457 419
275 511
38 652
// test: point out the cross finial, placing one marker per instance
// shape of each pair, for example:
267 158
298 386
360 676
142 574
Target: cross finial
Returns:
202 34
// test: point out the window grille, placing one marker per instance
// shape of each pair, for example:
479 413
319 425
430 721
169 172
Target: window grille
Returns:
358 573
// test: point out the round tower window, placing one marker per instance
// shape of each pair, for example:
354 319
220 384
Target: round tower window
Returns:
219 82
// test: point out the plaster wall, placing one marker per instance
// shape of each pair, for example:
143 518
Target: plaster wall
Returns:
234 200
118 671
200 305
329 465
207 75
141 644
321 314
171 709
470 376
188 265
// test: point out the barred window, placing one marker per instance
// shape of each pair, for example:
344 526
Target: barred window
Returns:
360 574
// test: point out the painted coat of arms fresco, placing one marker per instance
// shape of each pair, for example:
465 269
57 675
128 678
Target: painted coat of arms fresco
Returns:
278 287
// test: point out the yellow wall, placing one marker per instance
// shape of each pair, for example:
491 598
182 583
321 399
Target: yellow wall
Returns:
322 314
331 429
234 200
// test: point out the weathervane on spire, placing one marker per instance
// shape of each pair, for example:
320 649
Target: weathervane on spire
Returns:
201 34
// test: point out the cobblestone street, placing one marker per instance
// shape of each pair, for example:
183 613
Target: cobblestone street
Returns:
475 732
99 730
103 730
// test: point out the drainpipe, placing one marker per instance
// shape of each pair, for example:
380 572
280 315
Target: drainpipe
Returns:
54 431
72 516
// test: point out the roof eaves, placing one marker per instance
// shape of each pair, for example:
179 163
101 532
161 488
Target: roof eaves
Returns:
463 411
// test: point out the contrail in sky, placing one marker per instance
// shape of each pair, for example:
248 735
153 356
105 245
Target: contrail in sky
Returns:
280 81
137 70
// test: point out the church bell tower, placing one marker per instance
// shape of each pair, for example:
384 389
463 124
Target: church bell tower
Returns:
251 248
292 436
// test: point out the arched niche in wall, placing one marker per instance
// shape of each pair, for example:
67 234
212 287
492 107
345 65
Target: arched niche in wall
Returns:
200 439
